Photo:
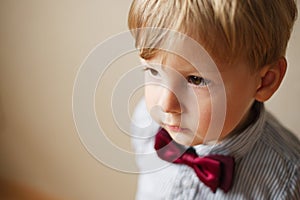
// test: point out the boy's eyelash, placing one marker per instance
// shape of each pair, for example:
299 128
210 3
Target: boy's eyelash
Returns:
146 68
153 72
198 81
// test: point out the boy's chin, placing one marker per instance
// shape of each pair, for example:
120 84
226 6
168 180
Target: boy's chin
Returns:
185 139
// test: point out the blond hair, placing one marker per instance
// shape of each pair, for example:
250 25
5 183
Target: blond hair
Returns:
255 30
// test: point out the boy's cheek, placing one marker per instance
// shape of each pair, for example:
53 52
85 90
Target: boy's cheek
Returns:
150 97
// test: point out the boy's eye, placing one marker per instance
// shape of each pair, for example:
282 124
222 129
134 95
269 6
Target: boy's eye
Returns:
197 81
153 72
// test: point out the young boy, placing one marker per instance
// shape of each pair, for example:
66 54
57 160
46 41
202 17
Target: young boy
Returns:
190 93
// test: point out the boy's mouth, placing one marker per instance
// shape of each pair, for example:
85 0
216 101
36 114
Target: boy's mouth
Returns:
174 128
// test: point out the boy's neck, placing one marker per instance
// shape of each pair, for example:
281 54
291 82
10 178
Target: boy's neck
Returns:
250 117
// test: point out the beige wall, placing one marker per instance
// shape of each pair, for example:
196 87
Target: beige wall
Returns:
42 44
285 103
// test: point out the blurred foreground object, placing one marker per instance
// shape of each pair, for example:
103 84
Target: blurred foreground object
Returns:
12 190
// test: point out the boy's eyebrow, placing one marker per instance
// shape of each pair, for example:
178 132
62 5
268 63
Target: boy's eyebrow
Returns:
182 69
185 69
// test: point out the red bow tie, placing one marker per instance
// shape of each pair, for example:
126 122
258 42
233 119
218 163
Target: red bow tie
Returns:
213 170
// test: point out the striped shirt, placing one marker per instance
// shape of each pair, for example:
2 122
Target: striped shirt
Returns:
267 163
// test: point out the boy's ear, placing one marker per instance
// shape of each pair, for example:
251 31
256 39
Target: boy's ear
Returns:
270 78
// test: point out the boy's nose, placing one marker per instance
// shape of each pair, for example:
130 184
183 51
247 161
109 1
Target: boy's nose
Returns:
169 102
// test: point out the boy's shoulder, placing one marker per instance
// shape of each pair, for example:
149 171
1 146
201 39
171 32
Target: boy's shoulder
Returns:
271 167
280 140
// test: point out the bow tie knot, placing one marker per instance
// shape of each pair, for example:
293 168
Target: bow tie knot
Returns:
213 170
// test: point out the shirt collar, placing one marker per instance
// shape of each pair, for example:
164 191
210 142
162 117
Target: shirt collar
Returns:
238 144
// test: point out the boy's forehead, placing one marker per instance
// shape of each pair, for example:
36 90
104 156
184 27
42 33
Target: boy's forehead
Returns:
203 63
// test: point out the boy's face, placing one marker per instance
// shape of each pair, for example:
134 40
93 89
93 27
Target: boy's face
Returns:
179 97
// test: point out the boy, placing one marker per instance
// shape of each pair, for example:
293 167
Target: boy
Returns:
251 156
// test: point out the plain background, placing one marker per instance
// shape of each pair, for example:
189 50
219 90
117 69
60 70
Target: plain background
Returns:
42 45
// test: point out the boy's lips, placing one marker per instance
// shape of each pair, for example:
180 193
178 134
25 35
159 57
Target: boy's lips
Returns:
175 128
